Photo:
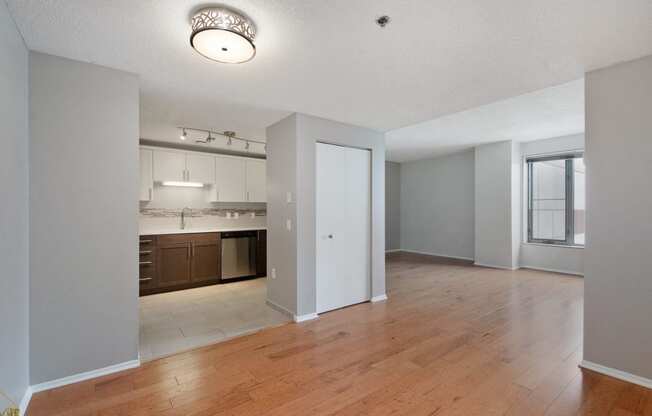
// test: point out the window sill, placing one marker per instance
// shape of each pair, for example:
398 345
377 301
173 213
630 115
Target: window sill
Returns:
553 245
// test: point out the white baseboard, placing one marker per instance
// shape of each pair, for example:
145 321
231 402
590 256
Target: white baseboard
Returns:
379 298
280 308
620 375
545 269
494 266
425 253
85 376
306 317
25 401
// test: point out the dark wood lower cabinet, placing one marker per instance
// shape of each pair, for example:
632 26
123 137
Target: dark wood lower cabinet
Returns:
205 258
179 261
173 264
147 278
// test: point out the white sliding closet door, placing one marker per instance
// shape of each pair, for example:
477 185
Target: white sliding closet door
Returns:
343 220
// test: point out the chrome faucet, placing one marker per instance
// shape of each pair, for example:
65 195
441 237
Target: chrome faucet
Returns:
183 217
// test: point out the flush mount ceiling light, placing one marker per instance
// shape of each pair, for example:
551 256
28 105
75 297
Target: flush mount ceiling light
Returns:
223 35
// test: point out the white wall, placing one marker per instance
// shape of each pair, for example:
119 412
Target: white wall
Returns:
291 167
438 205
14 228
83 217
618 253
392 206
562 259
494 204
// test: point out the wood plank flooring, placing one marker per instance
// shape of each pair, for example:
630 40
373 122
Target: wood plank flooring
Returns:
452 339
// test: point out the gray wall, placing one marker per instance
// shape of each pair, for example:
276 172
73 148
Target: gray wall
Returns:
281 179
437 205
392 206
308 131
14 229
563 259
618 253
495 193
83 217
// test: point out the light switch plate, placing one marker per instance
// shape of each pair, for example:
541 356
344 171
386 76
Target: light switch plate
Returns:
288 224
273 273
289 197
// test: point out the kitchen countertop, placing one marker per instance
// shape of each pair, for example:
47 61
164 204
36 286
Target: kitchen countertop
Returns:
162 231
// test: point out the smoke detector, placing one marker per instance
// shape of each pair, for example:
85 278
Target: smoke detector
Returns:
383 20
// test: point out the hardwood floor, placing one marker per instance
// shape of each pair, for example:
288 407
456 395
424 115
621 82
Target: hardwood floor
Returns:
452 339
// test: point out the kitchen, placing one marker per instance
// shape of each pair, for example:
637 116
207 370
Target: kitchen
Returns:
203 239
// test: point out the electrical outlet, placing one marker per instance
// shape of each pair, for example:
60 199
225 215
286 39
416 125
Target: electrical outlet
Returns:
273 273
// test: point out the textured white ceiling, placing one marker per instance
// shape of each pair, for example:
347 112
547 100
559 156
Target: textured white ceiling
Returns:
329 59
551 112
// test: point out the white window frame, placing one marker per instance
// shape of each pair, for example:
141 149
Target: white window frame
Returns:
569 240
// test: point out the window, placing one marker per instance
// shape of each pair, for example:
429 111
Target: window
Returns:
556 199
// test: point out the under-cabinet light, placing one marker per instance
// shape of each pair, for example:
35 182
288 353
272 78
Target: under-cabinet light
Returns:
184 184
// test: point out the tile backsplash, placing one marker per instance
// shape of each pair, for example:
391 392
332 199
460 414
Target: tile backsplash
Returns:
163 213
201 212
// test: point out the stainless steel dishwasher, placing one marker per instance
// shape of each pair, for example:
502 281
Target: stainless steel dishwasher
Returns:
238 254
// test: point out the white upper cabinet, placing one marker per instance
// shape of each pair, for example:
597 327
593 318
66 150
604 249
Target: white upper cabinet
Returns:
179 166
146 177
256 177
200 168
169 166
230 179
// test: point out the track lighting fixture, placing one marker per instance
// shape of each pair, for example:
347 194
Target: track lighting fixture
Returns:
230 137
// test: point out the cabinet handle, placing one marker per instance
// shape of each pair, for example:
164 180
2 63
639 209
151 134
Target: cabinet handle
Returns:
145 263
146 252
145 241
144 279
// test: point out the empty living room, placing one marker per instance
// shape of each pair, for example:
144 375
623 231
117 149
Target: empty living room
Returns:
343 207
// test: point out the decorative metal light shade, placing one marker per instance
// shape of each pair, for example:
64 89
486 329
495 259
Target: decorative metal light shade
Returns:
223 35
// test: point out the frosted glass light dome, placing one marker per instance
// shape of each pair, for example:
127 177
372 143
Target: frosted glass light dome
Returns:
223 35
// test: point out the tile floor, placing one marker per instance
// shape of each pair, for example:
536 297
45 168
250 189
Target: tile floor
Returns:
178 321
